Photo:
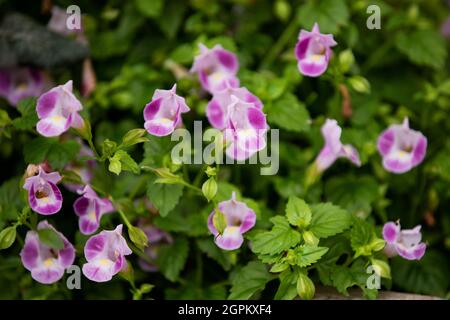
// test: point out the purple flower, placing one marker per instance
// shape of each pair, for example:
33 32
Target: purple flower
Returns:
57 110
90 208
217 110
105 254
333 148
239 219
44 196
246 128
163 114
156 238
19 83
84 169
215 67
405 243
46 264
401 147
313 51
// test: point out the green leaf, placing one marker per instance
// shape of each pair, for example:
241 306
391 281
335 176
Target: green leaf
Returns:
298 212
328 220
307 255
115 166
329 14
288 113
354 193
427 276
28 118
155 149
51 238
222 257
363 238
151 8
423 47
58 154
172 258
172 17
280 238
128 163
287 289
134 136
7 237
164 196
249 280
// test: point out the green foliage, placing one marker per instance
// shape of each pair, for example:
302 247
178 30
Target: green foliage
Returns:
328 220
164 196
172 258
57 153
249 280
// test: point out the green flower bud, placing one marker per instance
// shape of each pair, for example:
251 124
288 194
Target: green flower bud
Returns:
305 287
209 189
7 237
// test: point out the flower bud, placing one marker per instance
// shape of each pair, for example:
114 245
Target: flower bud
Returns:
7 237
209 189
305 287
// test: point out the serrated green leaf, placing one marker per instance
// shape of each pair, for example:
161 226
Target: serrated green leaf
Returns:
164 196
298 212
329 14
172 258
423 47
249 280
288 113
281 237
328 220
307 255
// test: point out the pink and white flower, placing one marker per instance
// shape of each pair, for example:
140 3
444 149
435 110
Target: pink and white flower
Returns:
58 110
313 51
401 147
44 196
217 109
105 254
239 219
47 265
215 67
163 114
90 208
405 243
333 148
245 131
19 83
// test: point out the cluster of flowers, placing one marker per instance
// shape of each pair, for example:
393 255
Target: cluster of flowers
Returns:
233 109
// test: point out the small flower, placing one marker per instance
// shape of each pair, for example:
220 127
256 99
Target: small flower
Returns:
105 254
246 128
44 196
333 148
239 219
313 51
217 110
405 243
163 114
46 264
156 238
84 169
19 83
90 208
215 67
401 147
57 110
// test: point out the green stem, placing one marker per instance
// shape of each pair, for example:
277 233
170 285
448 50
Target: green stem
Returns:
275 50
92 146
124 217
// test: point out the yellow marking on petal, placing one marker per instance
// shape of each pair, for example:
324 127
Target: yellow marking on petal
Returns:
231 230
22 87
48 262
218 76
44 200
316 57
57 119
165 120
92 216
105 262
402 154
